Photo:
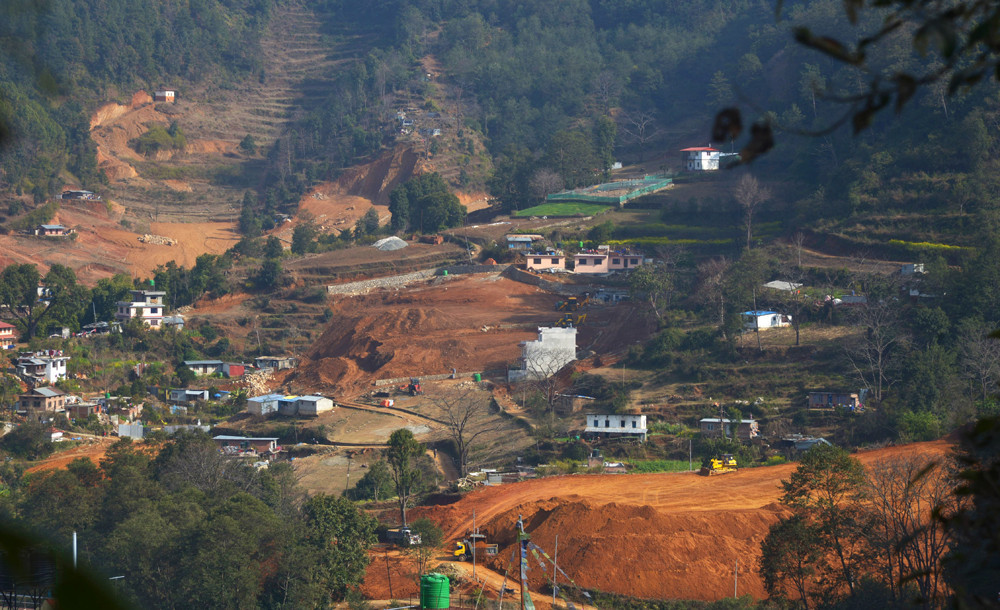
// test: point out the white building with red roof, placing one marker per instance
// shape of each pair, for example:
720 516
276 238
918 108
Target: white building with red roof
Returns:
700 158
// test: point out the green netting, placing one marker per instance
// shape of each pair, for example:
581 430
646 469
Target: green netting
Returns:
615 193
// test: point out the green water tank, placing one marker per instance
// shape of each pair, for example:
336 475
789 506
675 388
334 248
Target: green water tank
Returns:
477 376
434 592
446 272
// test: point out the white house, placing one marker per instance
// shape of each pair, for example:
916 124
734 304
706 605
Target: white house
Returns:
700 158
760 320
314 405
554 349
42 367
263 405
616 425
165 95
145 304
204 367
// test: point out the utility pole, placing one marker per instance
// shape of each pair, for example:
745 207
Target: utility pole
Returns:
690 456
555 571
736 577
472 540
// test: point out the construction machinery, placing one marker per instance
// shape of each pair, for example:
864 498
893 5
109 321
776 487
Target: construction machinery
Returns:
403 536
463 549
723 465
569 320
412 388
573 303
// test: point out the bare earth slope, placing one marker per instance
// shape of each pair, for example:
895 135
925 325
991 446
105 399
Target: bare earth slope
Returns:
654 536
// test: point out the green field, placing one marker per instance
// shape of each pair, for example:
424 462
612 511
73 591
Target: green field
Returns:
568 208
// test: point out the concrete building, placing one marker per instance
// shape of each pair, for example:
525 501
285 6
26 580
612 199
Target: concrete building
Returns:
700 158
186 396
249 446
168 96
8 335
288 405
605 260
314 405
616 425
545 261
45 367
52 231
146 305
554 349
41 404
746 430
760 320
204 367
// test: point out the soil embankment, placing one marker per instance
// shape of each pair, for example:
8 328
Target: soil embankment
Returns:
663 536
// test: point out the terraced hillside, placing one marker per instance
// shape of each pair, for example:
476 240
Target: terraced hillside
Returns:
207 179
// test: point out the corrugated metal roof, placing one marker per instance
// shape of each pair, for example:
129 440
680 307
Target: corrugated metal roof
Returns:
700 149
49 392
244 438
202 362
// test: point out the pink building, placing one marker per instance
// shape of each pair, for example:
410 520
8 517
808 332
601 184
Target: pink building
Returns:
604 260
543 261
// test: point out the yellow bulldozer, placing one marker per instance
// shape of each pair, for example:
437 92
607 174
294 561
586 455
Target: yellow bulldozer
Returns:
723 465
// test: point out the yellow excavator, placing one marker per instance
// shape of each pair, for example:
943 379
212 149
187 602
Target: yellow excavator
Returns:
723 465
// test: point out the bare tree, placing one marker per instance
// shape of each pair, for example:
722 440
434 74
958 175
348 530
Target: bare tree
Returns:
546 181
469 418
607 87
750 195
872 356
712 289
798 240
904 494
639 127
980 359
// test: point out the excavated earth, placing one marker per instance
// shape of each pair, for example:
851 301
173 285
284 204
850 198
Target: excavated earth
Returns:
470 323
655 536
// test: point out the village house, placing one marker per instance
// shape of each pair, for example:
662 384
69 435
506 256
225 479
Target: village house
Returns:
45 367
83 410
176 322
52 231
700 158
41 404
616 426
165 95
541 359
78 194
760 320
263 405
605 260
145 304
187 395
276 363
314 405
247 446
8 335
783 286
714 427
828 400
544 261
522 242
204 367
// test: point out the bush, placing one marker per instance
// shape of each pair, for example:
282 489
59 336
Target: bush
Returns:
30 441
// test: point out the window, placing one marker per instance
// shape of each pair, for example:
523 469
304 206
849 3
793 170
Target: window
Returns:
623 424
616 261
607 423
582 261
597 423
154 310
555 261
538 261
633 261
710 427
633 424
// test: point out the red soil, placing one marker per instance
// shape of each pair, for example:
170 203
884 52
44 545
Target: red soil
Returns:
654 536
432 329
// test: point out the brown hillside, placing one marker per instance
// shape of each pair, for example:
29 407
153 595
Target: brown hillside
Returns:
663 536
